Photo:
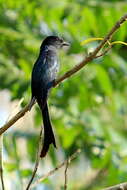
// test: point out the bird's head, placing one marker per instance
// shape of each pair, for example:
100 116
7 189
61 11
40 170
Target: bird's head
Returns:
54 41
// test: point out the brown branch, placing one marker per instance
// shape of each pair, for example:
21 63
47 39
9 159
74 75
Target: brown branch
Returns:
72 157
94 53
121 186
104 52
68 74
37 161
65 174
15 118
1 163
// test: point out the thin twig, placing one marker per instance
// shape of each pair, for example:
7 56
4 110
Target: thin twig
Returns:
69 73
14 119
37 161
72 157
121 186
1 162
65 174
104 52
94 53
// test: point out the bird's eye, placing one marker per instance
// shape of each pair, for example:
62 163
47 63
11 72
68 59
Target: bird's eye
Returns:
57 39
61 40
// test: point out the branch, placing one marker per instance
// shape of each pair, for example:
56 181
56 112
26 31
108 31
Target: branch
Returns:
1 163
72 157
104 52
69 73
37 160
65 174
121 186
94 53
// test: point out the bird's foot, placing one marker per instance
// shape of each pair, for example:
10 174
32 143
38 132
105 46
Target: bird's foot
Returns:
31 103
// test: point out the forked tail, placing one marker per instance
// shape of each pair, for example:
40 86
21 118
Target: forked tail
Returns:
48 132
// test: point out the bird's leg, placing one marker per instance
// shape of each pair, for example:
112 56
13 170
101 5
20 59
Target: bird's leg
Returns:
31 103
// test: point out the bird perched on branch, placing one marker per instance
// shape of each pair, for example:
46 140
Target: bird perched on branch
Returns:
43 77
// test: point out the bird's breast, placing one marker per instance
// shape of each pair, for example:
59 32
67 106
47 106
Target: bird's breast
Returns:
52 70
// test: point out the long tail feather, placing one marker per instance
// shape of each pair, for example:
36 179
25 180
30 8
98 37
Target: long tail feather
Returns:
48 132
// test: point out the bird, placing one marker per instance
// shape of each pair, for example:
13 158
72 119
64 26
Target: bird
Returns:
44 73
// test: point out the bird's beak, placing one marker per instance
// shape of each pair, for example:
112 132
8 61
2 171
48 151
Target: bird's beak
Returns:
65 44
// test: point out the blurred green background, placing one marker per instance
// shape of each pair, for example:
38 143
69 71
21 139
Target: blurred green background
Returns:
88 111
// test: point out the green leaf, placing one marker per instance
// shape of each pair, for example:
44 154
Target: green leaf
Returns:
26 172
10 166
103 79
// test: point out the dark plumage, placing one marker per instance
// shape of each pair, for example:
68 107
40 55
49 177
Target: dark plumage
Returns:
43 75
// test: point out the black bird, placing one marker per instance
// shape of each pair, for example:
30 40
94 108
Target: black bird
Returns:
43 77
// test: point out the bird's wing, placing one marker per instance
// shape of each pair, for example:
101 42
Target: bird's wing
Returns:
44 72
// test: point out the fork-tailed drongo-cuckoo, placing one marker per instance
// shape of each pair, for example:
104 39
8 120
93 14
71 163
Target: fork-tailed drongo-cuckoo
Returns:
43 76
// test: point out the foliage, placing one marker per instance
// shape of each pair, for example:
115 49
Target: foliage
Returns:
89 109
